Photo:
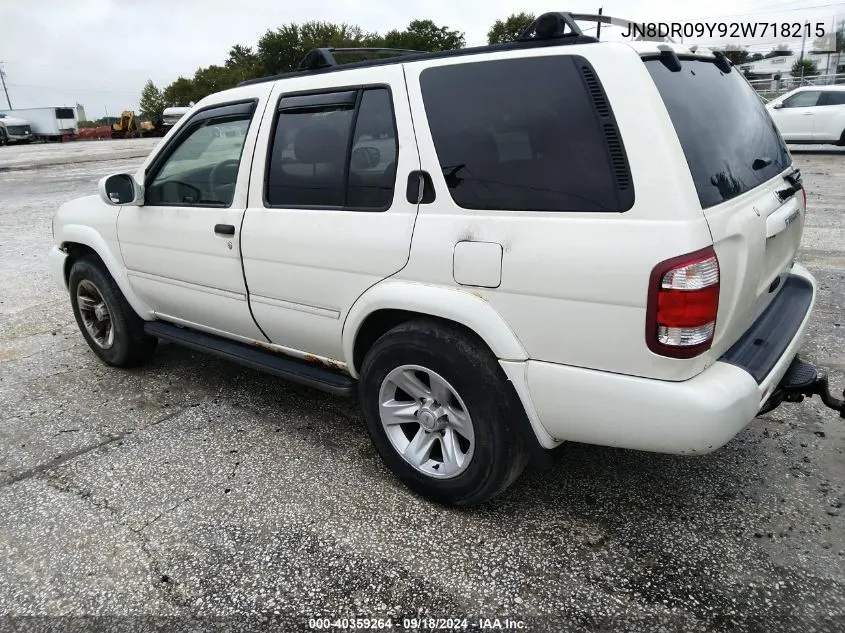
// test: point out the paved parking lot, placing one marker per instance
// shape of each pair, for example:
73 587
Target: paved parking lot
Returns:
207 495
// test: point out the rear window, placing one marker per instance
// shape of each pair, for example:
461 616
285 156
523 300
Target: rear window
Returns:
530 134
64 113
730 141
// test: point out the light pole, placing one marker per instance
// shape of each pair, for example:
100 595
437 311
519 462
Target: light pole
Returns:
5 89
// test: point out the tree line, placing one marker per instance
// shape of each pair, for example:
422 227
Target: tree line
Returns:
281 50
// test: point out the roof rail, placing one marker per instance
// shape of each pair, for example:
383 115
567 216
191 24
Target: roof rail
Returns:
554 31
324 57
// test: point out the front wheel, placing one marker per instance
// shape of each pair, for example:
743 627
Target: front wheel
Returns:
110 326
441 413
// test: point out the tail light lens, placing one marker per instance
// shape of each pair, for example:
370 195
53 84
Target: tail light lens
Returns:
683 299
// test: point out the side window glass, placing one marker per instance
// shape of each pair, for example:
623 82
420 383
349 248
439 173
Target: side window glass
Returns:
309 155
537 146
203 169
833 97
372 165
804 99
326 155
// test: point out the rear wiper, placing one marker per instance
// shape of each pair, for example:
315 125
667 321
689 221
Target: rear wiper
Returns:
795 185
760 163
450 173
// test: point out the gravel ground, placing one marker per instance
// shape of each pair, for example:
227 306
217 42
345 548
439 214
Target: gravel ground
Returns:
193 494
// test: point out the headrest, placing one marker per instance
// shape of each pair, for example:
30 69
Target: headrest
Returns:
479 144
319 143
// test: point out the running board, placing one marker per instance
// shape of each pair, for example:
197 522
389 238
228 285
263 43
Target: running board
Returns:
287 367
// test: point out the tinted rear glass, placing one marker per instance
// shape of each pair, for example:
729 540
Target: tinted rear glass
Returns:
526 134
723 128
64 113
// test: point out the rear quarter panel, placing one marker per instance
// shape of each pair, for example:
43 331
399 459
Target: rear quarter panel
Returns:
574 285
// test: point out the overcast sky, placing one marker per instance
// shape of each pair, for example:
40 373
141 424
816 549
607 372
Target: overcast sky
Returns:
101 52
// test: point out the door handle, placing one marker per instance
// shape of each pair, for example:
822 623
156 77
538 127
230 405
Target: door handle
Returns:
224 229
808 114
420 188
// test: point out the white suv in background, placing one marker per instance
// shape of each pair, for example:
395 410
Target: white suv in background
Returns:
603 252
811 114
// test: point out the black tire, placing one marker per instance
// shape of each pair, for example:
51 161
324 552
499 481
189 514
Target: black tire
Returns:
841 142
498 456
130 345
4 140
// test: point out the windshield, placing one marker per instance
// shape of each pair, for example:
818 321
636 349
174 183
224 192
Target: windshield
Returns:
730 141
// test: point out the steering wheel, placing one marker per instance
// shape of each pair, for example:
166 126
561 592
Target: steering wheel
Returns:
222 182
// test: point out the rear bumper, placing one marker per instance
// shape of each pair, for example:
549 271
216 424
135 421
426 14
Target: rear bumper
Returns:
690 417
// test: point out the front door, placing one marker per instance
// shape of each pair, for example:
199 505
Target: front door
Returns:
181 248
330 218
795 117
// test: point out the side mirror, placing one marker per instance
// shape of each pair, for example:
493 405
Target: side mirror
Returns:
121 190
777 106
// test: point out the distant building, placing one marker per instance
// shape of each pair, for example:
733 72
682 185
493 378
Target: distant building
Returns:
781 67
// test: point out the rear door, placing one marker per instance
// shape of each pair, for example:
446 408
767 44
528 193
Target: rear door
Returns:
328 215
830 116
741 169
66 120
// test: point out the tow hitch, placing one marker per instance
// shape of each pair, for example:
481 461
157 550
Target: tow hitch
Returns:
803 380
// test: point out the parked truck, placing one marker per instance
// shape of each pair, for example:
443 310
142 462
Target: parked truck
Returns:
172 115
14 130
48 124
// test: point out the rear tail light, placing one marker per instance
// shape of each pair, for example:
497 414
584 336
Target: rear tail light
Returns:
683 299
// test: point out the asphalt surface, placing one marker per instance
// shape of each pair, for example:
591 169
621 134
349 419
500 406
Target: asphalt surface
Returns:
193 494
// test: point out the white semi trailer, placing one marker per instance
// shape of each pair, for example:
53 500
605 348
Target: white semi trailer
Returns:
49 124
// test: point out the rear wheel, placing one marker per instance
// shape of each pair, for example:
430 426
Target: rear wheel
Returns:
842 139
110 326
440 413
4 140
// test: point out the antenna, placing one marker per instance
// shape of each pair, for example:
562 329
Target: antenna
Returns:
5 89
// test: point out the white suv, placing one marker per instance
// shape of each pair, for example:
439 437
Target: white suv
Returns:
500 249
811 115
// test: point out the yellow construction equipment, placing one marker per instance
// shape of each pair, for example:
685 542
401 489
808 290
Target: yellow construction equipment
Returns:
127 127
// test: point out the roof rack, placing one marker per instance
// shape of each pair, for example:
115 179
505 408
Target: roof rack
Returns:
600 19
550 29
549 26
325 57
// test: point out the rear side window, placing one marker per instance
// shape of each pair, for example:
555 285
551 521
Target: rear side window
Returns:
730 142
530 134
64 113
335 150
833 97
